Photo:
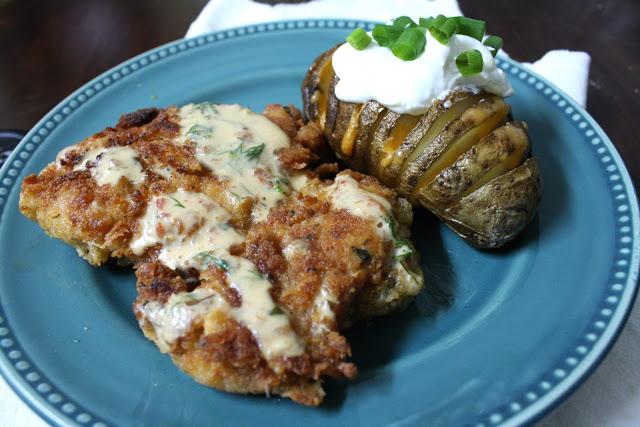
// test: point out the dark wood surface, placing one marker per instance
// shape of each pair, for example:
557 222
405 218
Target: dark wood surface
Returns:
48 48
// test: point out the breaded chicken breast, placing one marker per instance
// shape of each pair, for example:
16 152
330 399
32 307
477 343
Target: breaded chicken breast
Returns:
248 265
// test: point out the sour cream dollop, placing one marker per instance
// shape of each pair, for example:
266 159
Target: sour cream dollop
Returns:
409 87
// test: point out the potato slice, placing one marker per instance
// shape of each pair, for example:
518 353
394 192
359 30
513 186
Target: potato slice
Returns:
349 138
333 107
441 113
496 212
315 88
344 115
496 154
392 131
428 160
370 117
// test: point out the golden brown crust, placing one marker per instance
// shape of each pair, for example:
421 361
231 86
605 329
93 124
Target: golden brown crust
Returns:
343 254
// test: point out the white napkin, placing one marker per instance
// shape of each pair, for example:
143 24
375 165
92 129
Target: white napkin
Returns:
568 70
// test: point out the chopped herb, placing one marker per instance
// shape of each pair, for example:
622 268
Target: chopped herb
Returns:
251 153
391 222
276 310
410 44
210 259
280 185
442 28
386 35
205 108
359 39
199 131
469 62
471 27
425 22
178 204
254 153
256 273
403 249
494 43
403 22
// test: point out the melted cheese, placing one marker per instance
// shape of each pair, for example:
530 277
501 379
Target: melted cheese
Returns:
240 147
108 165
194 232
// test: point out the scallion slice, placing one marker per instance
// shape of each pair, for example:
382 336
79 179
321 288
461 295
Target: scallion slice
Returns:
409 45
386 35
442 28
469 62
471 27
425 22
494 43
403 22
359 39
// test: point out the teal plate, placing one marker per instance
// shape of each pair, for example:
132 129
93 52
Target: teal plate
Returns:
496 338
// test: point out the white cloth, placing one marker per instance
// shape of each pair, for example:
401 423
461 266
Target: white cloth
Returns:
568 70
611 396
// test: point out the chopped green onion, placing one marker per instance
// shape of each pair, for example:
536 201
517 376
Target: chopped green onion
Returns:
494 43
442 28
469 62
386 35
403 22
409 45
359 39
425 22
471 27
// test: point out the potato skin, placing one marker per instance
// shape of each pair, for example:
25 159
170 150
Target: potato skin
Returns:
498 211
310 85
369 116
489 216
509 140
409 177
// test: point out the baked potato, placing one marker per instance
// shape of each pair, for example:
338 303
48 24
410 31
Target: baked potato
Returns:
464 159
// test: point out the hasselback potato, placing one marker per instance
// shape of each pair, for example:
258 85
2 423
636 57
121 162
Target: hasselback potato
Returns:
463 159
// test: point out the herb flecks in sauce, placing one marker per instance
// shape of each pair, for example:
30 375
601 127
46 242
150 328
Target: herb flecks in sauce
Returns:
241 149
197 235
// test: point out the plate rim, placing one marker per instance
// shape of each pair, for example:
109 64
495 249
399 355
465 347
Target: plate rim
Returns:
52 410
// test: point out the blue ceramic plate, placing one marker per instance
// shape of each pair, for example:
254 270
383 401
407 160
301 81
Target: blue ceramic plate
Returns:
496 338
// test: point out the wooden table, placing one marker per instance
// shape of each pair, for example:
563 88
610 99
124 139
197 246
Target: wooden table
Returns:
49 48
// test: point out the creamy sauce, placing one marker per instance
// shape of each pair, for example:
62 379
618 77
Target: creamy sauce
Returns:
322 305
173 319
346 193
240 147
164 171
194 232
108 165
410 87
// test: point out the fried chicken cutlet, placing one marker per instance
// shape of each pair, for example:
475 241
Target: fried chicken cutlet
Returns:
248 265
